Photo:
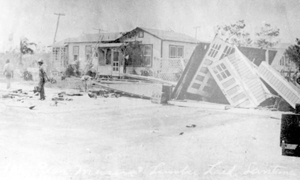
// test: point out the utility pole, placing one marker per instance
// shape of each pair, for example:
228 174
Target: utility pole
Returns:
196 28
58 14
99 30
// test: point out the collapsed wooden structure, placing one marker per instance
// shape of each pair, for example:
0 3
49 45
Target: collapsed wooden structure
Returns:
222 73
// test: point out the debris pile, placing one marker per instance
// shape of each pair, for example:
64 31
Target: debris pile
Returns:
104 93
17 94
223 74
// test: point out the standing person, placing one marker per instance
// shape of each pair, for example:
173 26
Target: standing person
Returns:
8 72
43 77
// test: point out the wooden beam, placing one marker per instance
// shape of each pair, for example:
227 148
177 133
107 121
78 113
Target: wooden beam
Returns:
149 79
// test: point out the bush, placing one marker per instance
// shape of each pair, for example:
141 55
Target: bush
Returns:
69 71
72 70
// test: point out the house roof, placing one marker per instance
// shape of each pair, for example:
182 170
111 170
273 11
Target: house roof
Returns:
169 35
61 43
257 55
110 45
282 45
104 37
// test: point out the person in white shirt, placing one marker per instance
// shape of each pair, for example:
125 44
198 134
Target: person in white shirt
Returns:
8 72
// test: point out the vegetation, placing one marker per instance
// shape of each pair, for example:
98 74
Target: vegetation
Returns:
134 53
267 37
234 33
237 35
293 52
72 70
25 48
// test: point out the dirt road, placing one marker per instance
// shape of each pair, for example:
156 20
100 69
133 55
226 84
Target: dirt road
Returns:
128 138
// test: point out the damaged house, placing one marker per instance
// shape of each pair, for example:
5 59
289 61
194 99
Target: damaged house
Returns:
159 47
240 76
106 51
98 49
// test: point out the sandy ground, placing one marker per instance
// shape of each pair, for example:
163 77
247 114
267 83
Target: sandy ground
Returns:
130 138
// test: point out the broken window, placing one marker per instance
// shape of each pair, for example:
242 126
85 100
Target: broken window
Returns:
75 53
176 51
88 52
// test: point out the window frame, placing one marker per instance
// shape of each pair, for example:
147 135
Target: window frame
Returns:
56 53
86 51
150 54
176 51
75 56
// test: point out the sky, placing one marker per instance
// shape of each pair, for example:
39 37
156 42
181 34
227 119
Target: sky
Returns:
35 19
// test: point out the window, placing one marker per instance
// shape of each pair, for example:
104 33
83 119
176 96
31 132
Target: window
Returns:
228 83
75 52
200 78
116 56
196 85
233 90
176 51
227 51
108 56
140 55
141 34
284 60
207 62
55 52
88 52
115 61
214 50
204 70
147 54
221 72
63 54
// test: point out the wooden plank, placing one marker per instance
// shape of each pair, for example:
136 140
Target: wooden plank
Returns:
198 104
286 90
149 79
144 90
